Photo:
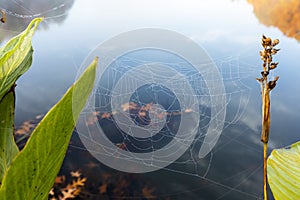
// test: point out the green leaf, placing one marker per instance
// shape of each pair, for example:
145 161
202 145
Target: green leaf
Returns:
8 147
283 169
16 57
33 171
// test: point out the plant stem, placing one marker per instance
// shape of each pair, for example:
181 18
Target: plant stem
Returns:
265 131
265 128
265 92
266 86
265 171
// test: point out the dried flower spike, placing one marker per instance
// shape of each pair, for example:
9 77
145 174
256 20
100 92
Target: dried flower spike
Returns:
266 86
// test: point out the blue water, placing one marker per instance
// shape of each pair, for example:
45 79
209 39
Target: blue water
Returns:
229 32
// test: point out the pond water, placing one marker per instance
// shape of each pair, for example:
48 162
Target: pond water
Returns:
229 31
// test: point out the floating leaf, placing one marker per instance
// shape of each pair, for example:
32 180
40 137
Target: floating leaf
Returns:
79 182
75 174
103 188
283 169
32 173
68 194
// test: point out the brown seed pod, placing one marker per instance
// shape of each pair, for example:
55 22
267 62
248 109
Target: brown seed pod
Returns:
274 51
273 65
266 41
3 18
272 84
275 42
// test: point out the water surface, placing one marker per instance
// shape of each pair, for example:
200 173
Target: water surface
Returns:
229 31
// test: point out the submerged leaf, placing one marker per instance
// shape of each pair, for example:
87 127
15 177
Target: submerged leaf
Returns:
33 171
16 57
283 169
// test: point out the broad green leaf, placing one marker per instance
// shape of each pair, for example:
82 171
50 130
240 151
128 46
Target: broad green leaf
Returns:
32 173
283 169
8 147
16 57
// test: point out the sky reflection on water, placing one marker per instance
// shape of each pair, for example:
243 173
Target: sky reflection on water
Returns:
230 32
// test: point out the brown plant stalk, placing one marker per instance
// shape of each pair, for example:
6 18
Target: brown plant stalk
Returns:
266 86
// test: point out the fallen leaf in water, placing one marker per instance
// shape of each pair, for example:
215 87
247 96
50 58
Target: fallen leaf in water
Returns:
105 115
51 192
60 179
91 165
25 128
75 174
92 119
147 192
79 182
129 106
63 191
103 188
67 194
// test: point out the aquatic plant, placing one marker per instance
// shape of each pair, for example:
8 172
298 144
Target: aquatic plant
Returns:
266 56
282 168
30 173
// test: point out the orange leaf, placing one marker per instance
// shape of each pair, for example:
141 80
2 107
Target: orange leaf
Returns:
103 188
75 174
60 179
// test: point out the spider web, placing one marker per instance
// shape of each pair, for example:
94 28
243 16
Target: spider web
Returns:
157 106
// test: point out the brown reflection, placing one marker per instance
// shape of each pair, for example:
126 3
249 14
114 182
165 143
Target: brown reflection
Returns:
282 14
20 13
135 110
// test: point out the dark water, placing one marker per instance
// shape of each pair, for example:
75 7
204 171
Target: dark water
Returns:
229 31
